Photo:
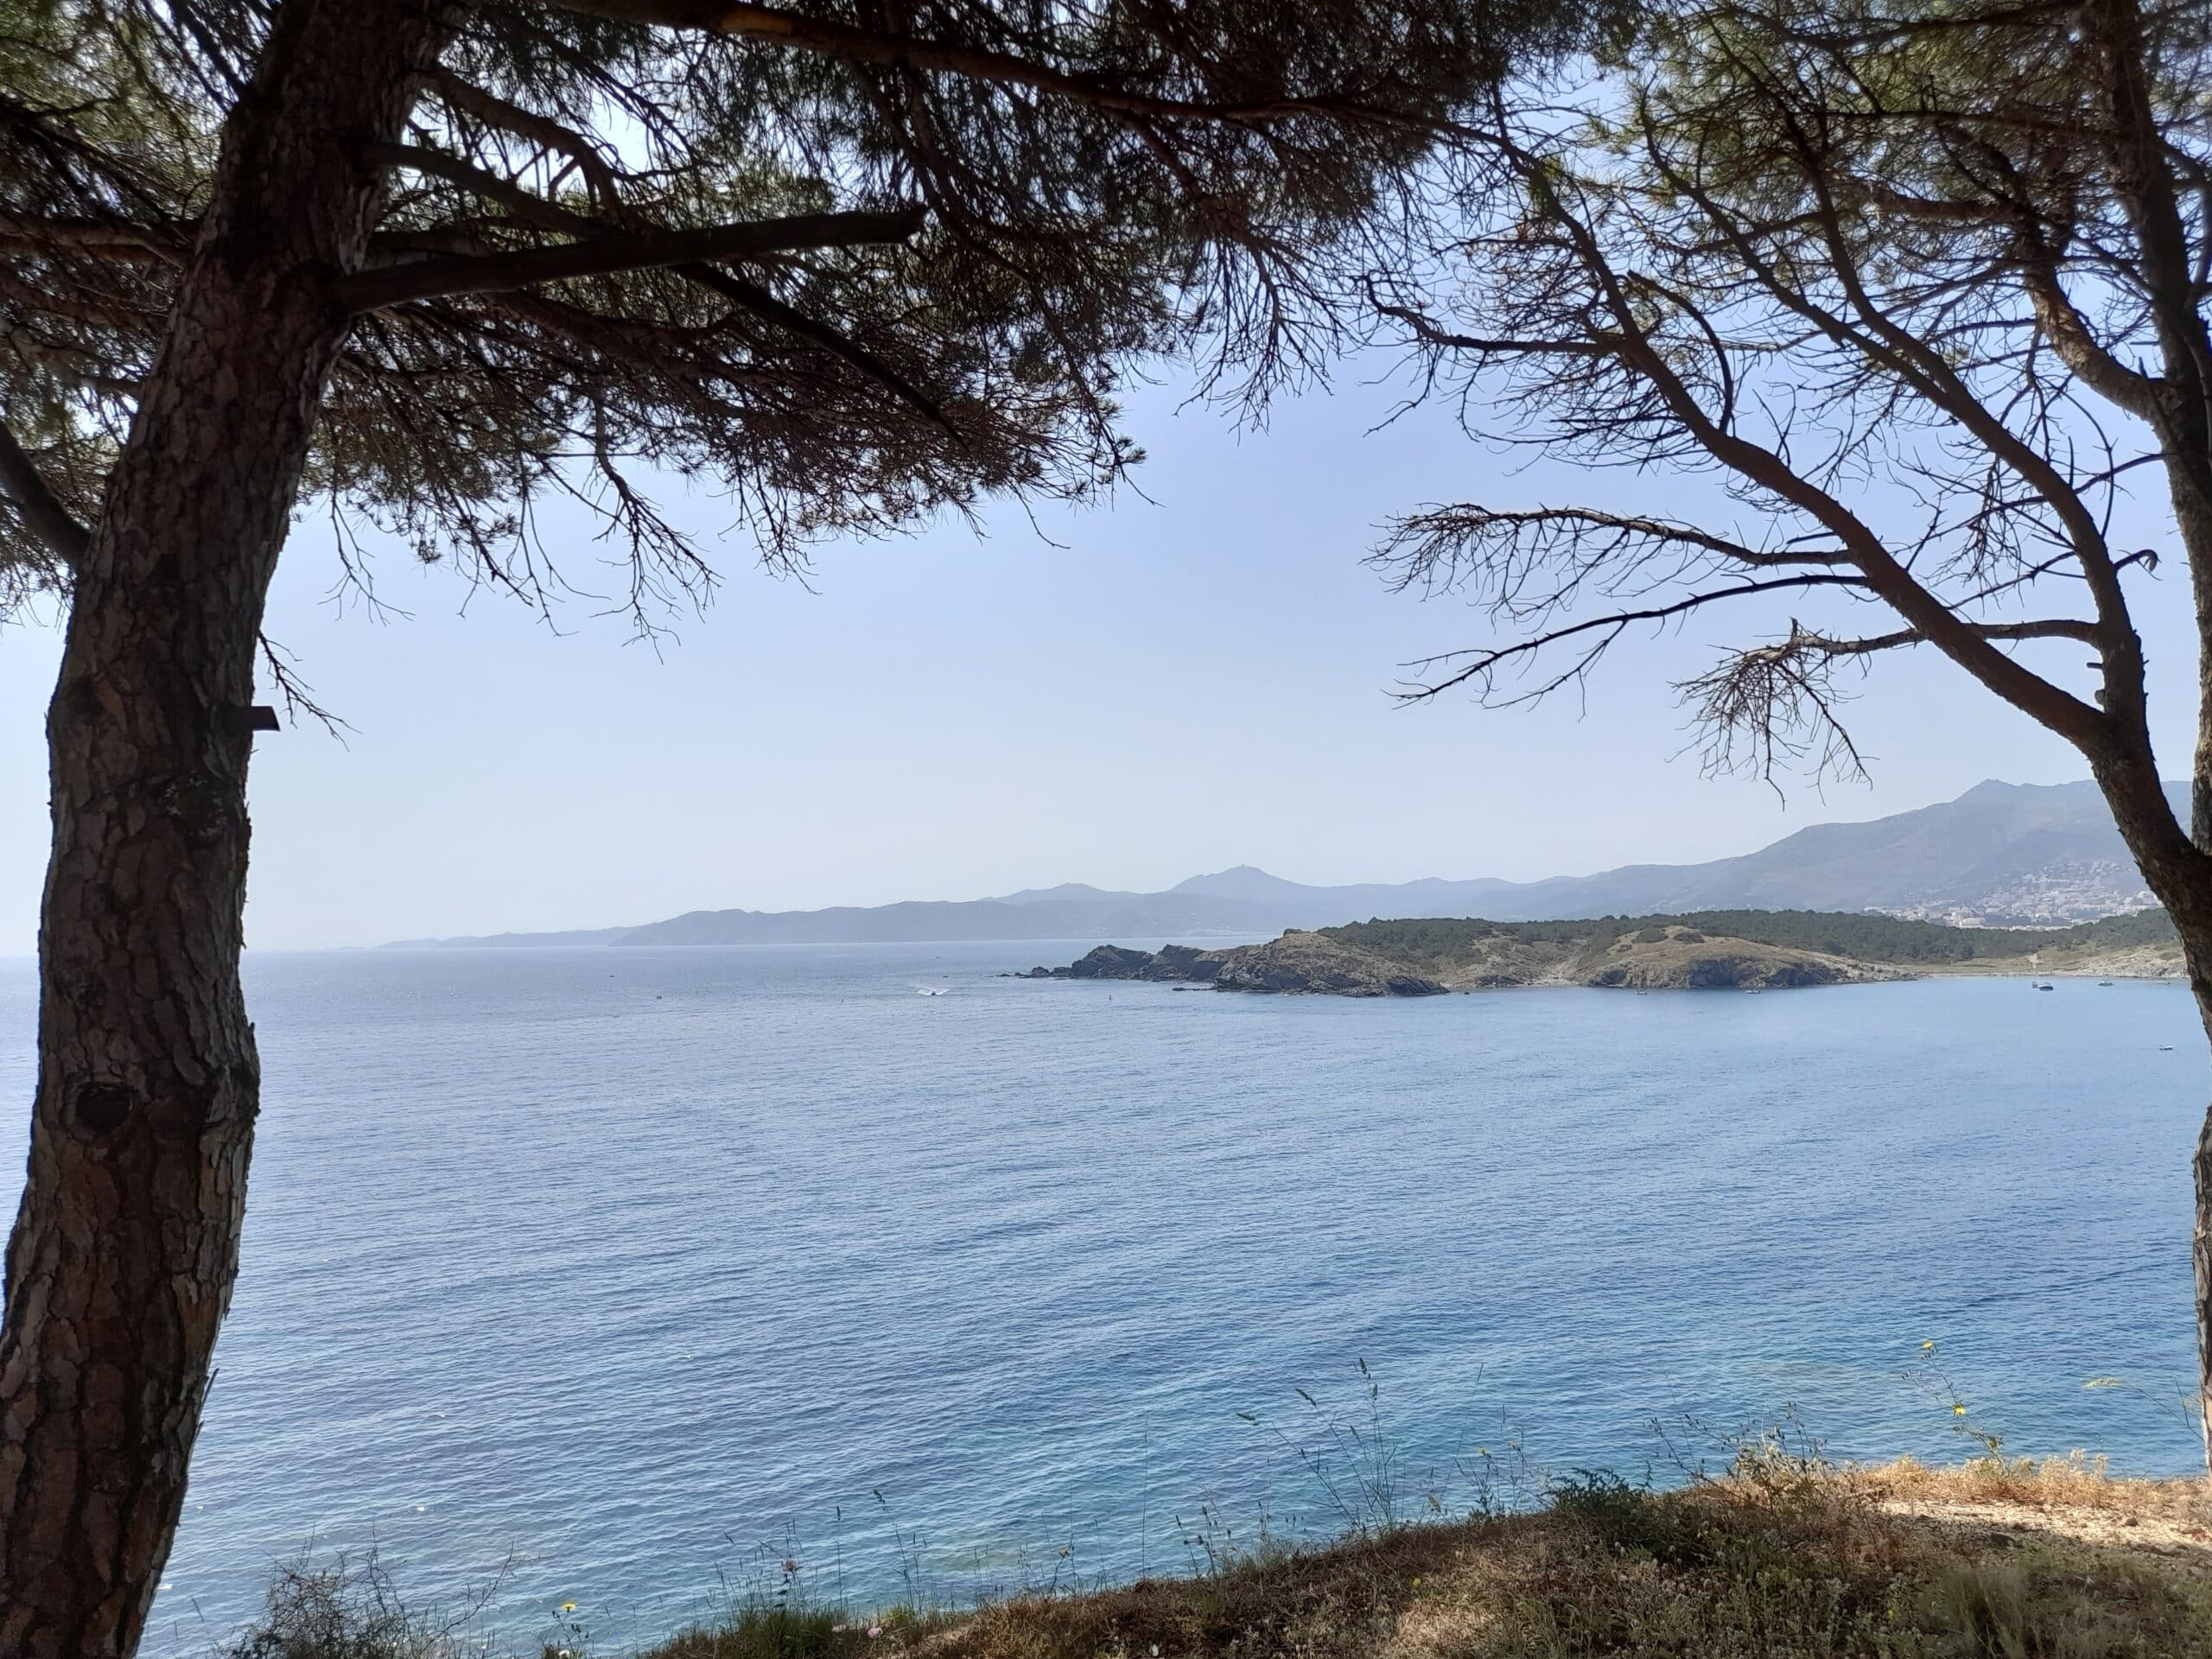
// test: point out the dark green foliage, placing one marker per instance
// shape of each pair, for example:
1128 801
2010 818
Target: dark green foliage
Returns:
1086 186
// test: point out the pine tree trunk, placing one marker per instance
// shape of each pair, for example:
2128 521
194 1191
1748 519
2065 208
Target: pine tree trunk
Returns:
2175 867
2197 944
2194 925
121 1263
2203 1254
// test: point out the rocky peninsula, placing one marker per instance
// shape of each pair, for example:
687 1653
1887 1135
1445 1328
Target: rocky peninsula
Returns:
1297 962
1741 950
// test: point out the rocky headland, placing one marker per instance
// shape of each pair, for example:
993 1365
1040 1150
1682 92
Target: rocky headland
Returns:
1720 951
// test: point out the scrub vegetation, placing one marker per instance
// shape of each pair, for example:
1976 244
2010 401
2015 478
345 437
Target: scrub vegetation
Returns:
1780 1554
1864 937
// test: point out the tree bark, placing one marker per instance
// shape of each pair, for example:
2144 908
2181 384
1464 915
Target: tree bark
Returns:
120 1267
2196 948
2179 871
2202 1248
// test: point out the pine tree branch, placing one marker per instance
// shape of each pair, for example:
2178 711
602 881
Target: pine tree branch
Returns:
373 290
765 305
39 508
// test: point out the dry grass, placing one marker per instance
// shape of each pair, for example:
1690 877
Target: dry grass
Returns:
1994 1561
2062 1486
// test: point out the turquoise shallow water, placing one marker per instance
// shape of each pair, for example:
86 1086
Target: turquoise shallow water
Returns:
633 1269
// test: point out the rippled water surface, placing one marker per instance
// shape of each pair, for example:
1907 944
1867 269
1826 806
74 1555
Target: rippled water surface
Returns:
627 1265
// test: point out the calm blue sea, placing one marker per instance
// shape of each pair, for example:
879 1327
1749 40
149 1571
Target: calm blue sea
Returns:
640 1271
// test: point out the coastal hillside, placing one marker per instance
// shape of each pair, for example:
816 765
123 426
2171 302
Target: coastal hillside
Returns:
1738 950
2000 856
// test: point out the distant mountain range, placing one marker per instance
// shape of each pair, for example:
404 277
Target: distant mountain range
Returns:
2001 855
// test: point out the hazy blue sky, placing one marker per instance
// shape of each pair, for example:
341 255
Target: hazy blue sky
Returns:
1187 683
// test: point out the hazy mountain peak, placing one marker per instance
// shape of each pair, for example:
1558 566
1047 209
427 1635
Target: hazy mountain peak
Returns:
1244 881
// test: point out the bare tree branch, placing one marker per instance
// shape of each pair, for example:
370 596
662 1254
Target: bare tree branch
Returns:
599 175
1771 704
1769 469
298 697
1429 332
524 204
1481 665
2043 628
1427 547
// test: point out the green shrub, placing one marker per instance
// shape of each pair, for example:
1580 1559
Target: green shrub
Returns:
1627 1518
767 1632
